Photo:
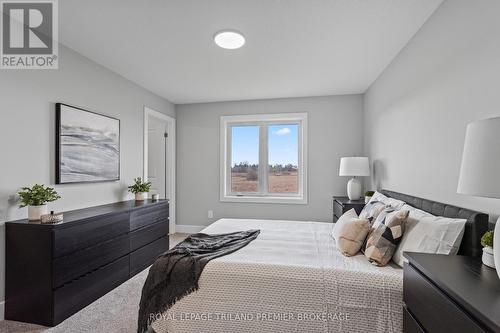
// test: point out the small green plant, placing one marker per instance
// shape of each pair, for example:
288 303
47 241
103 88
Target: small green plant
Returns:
369 193
139 186
37 195
487 239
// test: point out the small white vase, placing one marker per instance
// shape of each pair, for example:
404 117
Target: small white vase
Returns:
488 259
367 199
496 246
141 196
34 212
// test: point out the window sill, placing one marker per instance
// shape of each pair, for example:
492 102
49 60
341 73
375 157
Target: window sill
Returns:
269 200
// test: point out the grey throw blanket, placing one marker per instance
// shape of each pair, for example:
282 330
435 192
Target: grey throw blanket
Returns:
175 273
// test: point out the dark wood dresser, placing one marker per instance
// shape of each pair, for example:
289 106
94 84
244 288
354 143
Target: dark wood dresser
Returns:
450 294
343 204
54 270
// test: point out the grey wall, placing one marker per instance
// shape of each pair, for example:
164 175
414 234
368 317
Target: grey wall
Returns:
417 110
335 125
27 111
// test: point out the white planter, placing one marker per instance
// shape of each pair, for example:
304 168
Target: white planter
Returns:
141 196
34 212
488 259
367 199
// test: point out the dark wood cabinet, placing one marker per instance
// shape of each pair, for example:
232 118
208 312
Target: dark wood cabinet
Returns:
54 270
449 293
343 204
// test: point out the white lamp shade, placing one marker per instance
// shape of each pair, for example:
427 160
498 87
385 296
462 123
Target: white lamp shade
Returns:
354 166
480 171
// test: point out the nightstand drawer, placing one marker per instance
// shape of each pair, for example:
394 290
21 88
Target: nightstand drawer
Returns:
431 307
337 209
343 204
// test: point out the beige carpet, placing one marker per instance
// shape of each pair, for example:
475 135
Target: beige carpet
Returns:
114 312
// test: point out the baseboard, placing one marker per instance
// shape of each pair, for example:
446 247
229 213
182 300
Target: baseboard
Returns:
188 229
2 310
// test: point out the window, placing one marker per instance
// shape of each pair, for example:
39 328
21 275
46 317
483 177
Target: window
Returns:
263 158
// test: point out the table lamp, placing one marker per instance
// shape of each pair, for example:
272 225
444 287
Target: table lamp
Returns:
354 167
480 171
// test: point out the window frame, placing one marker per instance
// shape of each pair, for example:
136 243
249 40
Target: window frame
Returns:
263 121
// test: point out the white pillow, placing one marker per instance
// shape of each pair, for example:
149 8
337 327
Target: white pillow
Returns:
394 203
426 233
415 212
344 219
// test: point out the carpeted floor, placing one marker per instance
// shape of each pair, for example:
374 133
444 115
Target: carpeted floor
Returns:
114 312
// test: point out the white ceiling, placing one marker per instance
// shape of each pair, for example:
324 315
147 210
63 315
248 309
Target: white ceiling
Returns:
293 47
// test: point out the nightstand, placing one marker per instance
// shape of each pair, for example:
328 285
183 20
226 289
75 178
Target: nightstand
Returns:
343 204
449 294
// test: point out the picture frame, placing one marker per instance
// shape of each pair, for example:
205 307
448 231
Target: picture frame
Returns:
87 146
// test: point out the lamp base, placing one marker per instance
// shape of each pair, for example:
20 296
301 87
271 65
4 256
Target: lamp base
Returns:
496 246
354 189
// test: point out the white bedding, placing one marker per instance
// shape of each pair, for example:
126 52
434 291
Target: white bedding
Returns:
291 270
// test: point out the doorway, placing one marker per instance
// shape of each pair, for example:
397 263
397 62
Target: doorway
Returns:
159 157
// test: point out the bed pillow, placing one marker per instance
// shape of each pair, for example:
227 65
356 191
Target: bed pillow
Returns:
394 203
426 233
415 212
372 209
351 234
344 219
385 235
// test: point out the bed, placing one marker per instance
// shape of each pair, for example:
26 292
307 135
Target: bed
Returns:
293 279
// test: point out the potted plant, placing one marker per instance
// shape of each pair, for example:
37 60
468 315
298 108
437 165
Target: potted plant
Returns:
140 189
487 243
368 195
36 199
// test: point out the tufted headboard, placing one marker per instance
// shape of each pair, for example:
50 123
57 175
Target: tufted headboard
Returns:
475 227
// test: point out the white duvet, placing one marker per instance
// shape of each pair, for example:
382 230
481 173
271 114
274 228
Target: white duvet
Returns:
290 279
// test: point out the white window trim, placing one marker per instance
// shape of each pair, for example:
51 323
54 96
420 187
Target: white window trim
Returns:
225 150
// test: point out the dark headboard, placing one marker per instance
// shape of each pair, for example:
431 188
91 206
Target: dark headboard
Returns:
475 227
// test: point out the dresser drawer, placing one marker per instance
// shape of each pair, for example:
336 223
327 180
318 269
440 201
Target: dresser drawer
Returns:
77 264
433 310
89 232
75 296
146 255
410 324
149 215
143 236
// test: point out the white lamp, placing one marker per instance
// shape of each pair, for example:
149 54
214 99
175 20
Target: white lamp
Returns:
354 167
480 171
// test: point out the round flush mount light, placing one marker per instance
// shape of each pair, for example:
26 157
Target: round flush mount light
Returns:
229 39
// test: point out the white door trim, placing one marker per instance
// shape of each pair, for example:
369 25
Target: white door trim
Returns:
171 160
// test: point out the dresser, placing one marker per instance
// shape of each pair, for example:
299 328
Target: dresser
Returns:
343 204
449 294
54 270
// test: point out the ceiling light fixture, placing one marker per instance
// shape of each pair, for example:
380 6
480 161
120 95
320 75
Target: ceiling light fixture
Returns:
229 39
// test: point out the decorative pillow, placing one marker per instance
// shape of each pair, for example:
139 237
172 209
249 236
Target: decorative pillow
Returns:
344 219
426 233
394 203
385 235
352 234
371 210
